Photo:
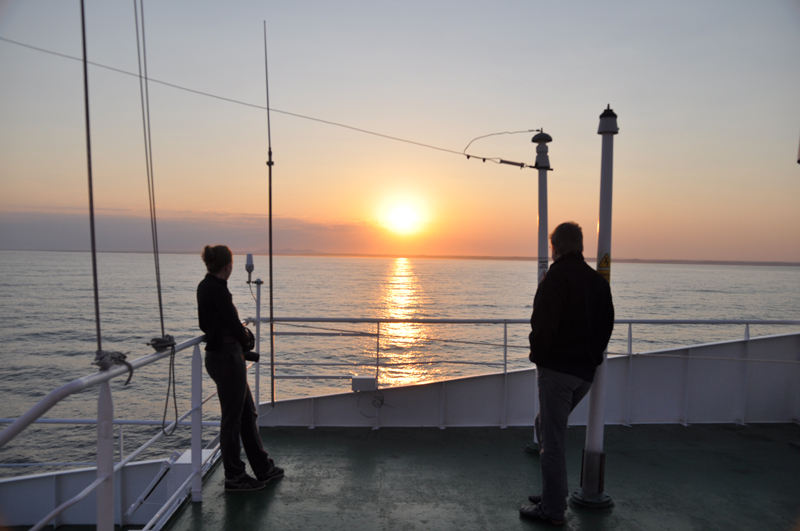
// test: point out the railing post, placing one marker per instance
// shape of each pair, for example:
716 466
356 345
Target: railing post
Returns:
121 443
505 374
797 393
197 424
687 380
743 420
630 375
377 353
258 347
505 347
630 338
105 458
442 405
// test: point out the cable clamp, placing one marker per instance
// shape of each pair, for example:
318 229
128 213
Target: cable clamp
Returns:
162 343
105 359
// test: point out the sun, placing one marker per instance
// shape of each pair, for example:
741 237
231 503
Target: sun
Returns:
403 219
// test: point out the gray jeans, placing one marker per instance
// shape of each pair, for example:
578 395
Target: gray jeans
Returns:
559 393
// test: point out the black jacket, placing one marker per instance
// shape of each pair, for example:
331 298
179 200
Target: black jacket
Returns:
573 316
217 314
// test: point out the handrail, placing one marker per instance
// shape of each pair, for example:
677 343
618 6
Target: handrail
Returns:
55 396
45 404
374 320
710 321
439 321
118 422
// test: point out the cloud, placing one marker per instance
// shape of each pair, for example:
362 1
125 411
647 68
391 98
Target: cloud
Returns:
45 231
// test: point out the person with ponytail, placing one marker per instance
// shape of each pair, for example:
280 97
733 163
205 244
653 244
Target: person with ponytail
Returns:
226 342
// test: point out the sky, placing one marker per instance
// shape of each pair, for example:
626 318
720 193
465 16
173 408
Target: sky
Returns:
705 163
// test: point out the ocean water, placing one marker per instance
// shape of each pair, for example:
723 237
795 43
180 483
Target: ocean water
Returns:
48 327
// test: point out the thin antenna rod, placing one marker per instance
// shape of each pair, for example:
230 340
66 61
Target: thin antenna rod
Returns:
91 193
269 165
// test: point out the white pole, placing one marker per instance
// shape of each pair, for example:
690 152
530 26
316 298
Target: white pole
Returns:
542 222
543 165
591 493
258 347
197 424
105 458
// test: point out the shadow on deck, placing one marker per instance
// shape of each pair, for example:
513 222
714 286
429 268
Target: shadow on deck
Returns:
660 477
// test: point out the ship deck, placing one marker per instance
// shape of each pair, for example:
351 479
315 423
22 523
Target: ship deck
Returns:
659 477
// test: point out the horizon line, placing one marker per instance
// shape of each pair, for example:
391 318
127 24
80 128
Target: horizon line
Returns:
311 253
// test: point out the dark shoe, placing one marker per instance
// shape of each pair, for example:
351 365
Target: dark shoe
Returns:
535 513
243 483
537 498
532 448
273 473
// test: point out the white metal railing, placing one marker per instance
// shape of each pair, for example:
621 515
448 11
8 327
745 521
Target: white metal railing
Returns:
504 345
120 423
105 422
745 322
106 468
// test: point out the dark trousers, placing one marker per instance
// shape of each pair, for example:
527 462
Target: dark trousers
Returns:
228 370
559 393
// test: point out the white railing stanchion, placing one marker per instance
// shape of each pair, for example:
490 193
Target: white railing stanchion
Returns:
505 374
686 388
105 458
377 353
258 347
197 424
121 443
629 396
630 338
743 420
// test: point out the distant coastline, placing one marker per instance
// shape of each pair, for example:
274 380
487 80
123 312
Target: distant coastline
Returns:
308 252
312 253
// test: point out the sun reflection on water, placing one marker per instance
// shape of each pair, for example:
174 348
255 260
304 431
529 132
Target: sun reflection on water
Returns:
403 297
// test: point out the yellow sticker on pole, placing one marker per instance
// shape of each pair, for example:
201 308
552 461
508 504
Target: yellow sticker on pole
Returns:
604 267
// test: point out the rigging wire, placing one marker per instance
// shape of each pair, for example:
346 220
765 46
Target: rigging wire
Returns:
496 160
496 134
103 359
165 341
144 92
91 186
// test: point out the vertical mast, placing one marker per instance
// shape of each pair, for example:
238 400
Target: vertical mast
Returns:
543 165
608 128
269 165
591 493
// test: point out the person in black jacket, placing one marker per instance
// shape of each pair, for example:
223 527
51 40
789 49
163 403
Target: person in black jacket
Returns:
226 342
573 316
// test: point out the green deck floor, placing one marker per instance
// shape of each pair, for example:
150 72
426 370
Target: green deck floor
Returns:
700 477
